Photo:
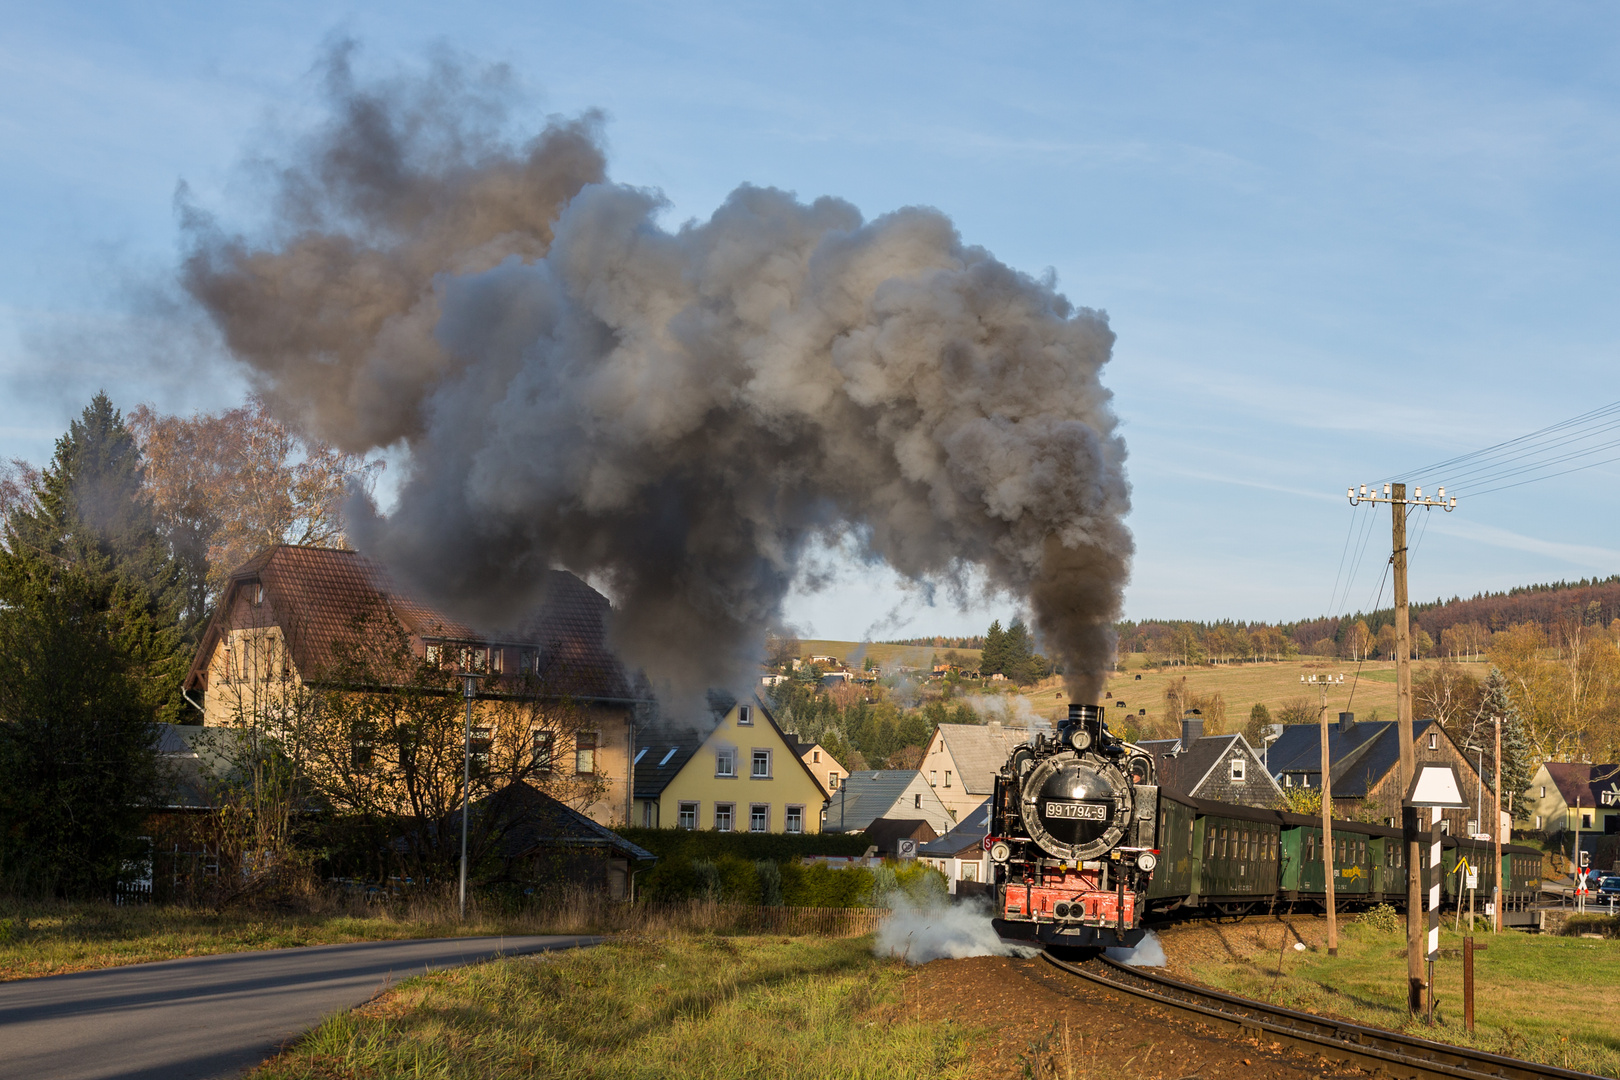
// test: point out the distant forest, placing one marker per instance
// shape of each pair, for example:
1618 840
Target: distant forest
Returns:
940 642
1588 602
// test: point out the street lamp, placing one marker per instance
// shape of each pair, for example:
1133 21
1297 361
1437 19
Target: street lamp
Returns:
469 690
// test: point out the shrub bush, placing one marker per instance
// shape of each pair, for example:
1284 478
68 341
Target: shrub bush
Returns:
777 847
1607 925
1382 918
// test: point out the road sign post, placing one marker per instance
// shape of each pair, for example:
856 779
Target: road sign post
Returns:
1435 788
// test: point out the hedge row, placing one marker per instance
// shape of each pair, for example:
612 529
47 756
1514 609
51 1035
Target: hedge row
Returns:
1607 925
777 847
734 880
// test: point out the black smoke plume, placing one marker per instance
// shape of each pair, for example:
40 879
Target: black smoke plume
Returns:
676 413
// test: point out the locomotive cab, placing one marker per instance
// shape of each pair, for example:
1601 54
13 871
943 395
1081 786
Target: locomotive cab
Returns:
1072 838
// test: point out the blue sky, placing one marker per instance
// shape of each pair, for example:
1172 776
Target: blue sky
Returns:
1336 241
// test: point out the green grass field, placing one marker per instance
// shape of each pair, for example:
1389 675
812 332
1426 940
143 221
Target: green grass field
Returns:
699 1006
916 656
1538 997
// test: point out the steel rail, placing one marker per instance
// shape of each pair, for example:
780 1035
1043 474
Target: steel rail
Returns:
1394 1053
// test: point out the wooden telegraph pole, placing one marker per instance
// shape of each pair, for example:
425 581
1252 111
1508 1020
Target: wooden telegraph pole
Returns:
1395 495
1496 831
1329 864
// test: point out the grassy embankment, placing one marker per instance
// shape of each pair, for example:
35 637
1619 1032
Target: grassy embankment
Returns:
1535 996
53 937
693 1006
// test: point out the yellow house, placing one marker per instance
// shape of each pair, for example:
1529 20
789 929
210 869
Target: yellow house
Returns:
744 775
822 765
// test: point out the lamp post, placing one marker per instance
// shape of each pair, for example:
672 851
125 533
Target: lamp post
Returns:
469 690
1328 869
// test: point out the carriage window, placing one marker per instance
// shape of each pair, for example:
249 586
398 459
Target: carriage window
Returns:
1310 849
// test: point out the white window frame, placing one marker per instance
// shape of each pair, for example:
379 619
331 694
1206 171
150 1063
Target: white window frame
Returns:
1434 741
759 812
793 818
1240 770
727 812
728 759
947 778
580 752
686 815
916 801
933 778
832 781
543 751
745 715
753 763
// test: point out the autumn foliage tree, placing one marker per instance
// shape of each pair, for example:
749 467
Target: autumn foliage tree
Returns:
227 484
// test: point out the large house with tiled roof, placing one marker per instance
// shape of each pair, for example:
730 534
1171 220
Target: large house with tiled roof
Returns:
1365 761
1221 768
738 772
298 619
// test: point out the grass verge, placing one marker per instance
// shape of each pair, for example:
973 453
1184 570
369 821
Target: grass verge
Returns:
54 937
1536 997
696 1006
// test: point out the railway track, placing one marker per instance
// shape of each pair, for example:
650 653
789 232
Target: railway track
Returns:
1390 1052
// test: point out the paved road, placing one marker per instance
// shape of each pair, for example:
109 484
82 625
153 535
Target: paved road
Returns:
209 1016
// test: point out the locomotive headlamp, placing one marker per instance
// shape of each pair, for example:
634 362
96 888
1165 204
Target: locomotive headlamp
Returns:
1146 861
1081 739
1000 852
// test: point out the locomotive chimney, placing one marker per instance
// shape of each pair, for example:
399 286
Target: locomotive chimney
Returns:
1192 729
1080 713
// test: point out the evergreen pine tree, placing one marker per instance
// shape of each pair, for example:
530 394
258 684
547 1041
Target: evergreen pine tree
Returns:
90 513
1518 763
90 655
1019 658
993 660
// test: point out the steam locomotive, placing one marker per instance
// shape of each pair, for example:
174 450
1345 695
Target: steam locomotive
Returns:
1073 838
1078 826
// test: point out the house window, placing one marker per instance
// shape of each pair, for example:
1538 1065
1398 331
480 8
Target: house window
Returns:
433 653
1538 821
360 748
947 778
762 765
725 763
1288 779
759 817
815 757
496 658
478 747
585 753
688 815
649 815
916 801
1239 769
745 715
832 781
1543 791
1445 826
1434 741
1586 821
1305 780
541 744
794 821
722 816
933 778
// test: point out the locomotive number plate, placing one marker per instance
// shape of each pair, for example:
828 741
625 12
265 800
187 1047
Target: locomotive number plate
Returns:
1078 811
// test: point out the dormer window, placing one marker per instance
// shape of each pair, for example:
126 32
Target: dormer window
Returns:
256 591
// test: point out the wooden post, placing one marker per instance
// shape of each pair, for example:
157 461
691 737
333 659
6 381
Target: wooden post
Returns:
1328 869
1468 982
1403 729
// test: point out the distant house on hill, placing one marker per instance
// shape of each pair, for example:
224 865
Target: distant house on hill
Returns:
1224 768
1365 761
961 761
1565 794
885 793
737 771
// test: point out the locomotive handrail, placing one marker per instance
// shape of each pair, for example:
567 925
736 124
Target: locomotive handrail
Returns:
1342 1039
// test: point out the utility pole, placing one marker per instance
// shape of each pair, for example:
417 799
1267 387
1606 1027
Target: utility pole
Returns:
1329 870
469 690
1395 496
1496 830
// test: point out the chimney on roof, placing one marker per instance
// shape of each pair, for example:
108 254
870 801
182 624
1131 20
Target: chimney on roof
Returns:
1347 720
995 727
1192 728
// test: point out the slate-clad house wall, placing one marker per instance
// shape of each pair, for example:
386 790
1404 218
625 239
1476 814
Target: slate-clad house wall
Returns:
1224 768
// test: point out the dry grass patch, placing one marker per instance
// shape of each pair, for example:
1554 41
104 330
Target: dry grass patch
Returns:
696 1006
